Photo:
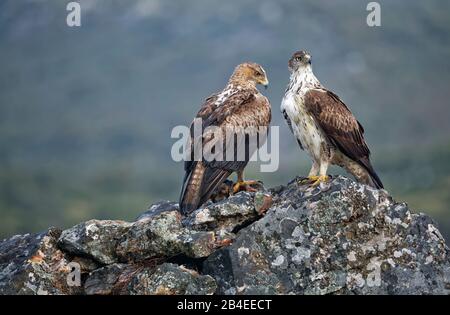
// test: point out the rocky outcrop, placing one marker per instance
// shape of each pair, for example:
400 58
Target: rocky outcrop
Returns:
341 238
338 238
141 279
33 264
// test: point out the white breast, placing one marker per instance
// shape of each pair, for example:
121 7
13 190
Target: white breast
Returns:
303 124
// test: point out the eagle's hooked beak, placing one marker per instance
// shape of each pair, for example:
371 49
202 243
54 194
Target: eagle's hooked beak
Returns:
308 58
265 84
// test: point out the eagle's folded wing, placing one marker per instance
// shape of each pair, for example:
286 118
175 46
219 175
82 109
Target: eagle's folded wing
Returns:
337 122
341 127
236 111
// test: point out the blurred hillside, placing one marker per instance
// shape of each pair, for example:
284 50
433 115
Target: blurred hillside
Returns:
86 113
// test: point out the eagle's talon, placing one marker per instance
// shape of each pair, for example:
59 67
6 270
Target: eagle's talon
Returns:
320 179
245 186
308 180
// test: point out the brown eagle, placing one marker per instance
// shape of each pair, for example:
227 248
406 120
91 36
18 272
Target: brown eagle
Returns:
238 107
324 126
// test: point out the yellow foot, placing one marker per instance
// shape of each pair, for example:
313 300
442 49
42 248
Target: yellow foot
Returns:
308 180
245 185
320 179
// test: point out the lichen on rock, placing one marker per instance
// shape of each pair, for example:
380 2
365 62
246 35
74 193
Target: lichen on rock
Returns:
163 235
95 238
341 238
338 238
146 279
33 264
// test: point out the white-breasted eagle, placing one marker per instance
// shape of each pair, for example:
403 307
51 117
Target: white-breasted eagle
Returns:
324 126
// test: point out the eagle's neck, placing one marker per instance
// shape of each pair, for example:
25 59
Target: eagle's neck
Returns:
303 78
238 83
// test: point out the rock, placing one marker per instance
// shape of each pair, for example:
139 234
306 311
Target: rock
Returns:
340 238
157 208
148 280
86 264
96 239
32 264
170 279
222 192
103 281
227 216
162 235
263 202
225 190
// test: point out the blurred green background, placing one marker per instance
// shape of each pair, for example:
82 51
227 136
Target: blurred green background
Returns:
86 113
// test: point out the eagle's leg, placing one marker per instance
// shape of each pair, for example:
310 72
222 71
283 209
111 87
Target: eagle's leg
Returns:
312 176
323 177
243 184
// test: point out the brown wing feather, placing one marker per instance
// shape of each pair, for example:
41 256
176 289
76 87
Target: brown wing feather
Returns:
341 127
244 108
337 122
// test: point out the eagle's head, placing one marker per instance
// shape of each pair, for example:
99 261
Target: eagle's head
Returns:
299 60
250 72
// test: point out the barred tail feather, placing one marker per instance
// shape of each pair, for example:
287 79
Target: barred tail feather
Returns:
191 191
373 179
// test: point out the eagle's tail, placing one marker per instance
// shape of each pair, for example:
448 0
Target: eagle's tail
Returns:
375 181
191 190
372 179
198 186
